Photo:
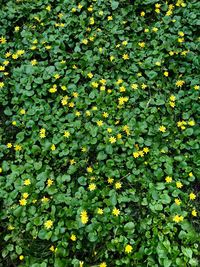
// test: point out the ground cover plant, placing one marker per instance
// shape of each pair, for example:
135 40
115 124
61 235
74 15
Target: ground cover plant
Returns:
99 136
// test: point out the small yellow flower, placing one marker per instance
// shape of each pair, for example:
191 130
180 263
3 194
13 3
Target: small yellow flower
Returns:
27 182
112 139
22 111
192 196
110 180
22 202
17 147
1 84
25 195
118 185
53 147
52 248
9 145
178 218
49 182
48 224
100 211
146 150
179 184
128 248
116 212
168 179
34 62
84 217
142 14
110 18
100 123
191 123
136 154
125 56
92 187
177 201
73 237
180 83
194 213
196 87
66 134
21 257
103 264
89 169
166 73
162 129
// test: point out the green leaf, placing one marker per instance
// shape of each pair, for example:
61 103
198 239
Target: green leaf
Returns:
114 4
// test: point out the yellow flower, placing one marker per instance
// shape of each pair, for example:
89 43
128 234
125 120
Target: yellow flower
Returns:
91 21
136 155
177 201
110 18
89 169
146 149
180 83
178 218
134 86
9 145
1 84
34 62
141 44
3 40
52 248
95 84
168 179
53 147
85 41
92 187
144 86
27 182
23 202
172 98
128 248
100 211
48 224
42 133
21 257
17 147
142 14
22 111
103 264
84 217
181 34
49 182
110 180
125 56
112 139
162 129
192 196
73 237
81 263
196 87
191 123
166 73
116 212
105 115
179 184
100 123
118 185
25 195
194 213
45 199
66 134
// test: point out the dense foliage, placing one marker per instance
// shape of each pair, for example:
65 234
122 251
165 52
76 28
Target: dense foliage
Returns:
100 134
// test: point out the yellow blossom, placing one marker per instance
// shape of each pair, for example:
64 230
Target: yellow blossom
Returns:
179 184
73 237
92 187
194 213
177 201
192 196
168 179
100 211
116 212
84 217
180 83
162 129
118 185
128 248
27 182
48 224
22 202
112 139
